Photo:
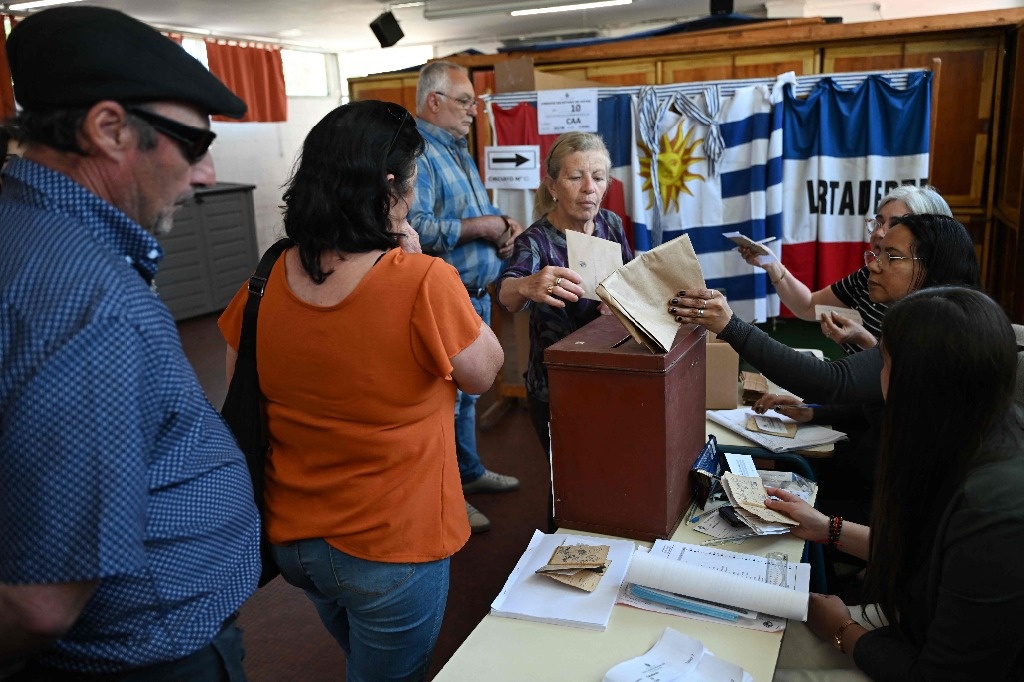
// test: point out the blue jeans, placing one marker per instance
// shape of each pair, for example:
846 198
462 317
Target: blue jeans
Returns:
386 617
470 466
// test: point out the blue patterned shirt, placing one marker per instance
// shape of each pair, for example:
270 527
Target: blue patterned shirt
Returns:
448 189
113 464
540 245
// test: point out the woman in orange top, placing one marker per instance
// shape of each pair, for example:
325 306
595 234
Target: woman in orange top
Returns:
361 347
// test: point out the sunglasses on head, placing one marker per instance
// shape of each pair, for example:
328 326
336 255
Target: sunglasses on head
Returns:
401 115
194 142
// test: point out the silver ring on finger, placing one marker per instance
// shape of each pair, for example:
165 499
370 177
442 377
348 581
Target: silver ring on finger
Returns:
700 312
703 304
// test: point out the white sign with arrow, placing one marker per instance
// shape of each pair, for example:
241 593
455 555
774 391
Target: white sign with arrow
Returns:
512 167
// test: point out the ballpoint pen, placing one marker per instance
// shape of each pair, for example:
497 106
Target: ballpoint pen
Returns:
720 541
813 406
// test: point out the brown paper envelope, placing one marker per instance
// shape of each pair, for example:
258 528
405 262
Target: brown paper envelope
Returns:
593 259
790 427
641 290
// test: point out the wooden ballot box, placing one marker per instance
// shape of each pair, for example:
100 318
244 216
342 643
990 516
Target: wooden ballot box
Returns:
626 426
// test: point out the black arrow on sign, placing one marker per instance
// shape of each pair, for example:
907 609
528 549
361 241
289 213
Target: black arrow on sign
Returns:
518 160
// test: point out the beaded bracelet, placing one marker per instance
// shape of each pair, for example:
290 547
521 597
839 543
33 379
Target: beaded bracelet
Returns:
835 528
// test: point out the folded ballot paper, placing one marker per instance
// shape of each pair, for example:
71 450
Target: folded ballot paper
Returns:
530 593
677 657
639 292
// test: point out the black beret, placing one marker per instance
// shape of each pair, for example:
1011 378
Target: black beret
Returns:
77 56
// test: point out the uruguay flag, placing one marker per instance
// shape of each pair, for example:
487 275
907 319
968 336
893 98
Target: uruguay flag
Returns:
844 149
716 167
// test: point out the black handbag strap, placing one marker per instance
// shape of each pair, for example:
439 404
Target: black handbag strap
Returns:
257 285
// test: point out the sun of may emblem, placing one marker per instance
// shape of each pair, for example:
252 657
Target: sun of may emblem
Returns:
674 161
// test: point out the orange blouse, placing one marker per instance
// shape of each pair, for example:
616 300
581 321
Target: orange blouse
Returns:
360 410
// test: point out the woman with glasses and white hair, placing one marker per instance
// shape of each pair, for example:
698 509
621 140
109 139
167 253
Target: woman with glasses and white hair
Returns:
360 349
852 290
918 251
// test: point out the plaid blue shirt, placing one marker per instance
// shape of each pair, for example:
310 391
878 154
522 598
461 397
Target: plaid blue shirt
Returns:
113 464
449 189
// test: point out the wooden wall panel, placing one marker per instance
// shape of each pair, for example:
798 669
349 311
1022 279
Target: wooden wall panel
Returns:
697 68
965 110
768 64
862 58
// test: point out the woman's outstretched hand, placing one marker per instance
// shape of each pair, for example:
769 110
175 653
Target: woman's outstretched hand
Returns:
706 307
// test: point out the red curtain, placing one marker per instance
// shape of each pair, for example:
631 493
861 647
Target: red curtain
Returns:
6 89
254 73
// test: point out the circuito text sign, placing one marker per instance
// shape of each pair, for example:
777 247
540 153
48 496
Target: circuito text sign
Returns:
512 167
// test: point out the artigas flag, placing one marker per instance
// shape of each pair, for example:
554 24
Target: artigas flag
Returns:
844 149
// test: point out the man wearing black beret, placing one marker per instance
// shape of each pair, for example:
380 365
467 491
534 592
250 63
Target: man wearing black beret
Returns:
128 533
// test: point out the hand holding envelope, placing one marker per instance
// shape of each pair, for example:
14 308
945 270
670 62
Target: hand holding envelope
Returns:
637 291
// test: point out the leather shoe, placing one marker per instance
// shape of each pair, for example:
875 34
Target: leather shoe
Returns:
491 482
478 523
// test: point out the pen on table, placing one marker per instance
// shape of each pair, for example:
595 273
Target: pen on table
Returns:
811 406
704 515
720 541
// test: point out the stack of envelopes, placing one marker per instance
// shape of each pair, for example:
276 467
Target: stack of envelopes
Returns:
580 566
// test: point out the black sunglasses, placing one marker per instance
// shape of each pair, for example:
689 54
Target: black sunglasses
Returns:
402 118
194 142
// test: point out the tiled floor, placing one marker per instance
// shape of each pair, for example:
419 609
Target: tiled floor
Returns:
284 637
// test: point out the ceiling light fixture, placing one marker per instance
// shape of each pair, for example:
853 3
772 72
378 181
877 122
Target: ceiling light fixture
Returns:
19 6
570 8
450 10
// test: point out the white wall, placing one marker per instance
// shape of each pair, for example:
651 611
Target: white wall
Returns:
262 154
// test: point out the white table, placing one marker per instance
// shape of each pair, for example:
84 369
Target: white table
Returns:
524 651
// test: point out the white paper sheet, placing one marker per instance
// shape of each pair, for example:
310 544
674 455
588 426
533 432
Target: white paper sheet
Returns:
675 657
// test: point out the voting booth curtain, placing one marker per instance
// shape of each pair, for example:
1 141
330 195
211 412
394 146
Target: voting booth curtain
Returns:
801 159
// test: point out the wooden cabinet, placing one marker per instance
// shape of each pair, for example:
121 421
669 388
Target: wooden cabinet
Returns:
400 89
210 252
619 72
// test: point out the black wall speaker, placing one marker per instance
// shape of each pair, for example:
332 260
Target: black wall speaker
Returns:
721 7
387 30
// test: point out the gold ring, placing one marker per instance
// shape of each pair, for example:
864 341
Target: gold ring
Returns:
558 280
550 287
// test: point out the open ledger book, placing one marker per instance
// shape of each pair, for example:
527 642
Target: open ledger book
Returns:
715 575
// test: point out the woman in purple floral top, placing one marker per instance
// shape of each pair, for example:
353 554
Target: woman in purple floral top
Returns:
577 168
